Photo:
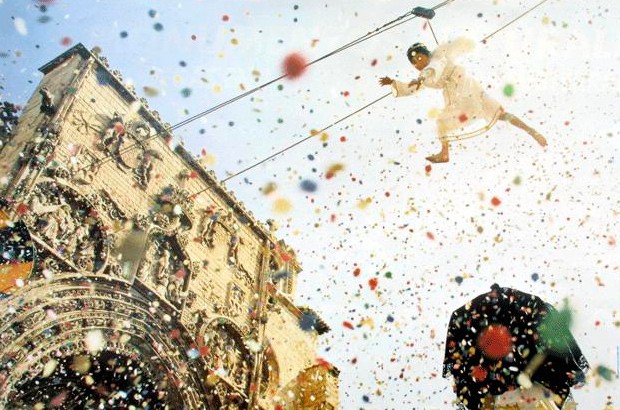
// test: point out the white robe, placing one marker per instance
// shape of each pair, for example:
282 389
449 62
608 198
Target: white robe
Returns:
536 398
465 100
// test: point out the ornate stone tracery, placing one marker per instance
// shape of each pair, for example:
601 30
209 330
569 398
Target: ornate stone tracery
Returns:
72 308
127 142
165 268
69 223
177 299
228 356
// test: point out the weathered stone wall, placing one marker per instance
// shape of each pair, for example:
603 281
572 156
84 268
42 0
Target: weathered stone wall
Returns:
31 117
205 256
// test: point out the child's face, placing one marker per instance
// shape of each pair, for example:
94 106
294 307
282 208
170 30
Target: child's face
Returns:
420 61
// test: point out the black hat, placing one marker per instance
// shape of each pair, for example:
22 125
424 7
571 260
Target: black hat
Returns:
417 48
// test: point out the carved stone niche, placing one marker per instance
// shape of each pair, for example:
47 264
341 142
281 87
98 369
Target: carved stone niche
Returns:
236 300
163 268
228 356
68 223
175 209
109 206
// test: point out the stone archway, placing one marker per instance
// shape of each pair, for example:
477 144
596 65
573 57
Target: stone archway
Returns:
95 327
109 378
270 372
229 361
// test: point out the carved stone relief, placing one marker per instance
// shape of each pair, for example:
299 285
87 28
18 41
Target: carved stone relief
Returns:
127 142
84 123
228 357
236 303
68 223
83 165
39 150
163 267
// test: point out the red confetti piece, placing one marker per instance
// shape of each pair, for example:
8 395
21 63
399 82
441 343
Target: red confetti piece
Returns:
66 41
225 17
345 93
430 236
294 65
373 283
119 128
357 272
323 363
478 373
463 117
428 169
343 139
495 201
22 209
373 62
204 351
285 257
175 333
59 399
495 342
348 325
193 36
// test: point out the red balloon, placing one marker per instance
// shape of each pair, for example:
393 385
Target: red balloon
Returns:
495 342
294 65
478 373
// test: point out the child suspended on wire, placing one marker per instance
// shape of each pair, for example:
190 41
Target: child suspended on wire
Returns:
465 100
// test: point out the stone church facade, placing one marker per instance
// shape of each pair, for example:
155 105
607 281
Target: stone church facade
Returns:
151 284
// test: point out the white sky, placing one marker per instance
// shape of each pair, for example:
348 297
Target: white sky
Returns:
563 61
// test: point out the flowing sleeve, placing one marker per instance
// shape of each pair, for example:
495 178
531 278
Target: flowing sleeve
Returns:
401 89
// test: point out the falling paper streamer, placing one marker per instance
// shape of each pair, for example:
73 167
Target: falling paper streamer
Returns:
94 341
130 253
20 26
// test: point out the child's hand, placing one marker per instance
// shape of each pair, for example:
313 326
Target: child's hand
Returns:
385 81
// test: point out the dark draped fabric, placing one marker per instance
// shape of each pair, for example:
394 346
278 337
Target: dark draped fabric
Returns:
564 365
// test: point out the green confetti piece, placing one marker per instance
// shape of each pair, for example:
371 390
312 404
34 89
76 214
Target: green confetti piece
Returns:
605 372
509 90
388 275
554 330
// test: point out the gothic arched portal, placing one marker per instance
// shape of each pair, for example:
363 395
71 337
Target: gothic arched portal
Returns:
80 339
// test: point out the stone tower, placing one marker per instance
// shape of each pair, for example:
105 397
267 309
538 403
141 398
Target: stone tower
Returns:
151 284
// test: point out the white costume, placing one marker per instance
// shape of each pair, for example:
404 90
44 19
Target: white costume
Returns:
465 100
537 397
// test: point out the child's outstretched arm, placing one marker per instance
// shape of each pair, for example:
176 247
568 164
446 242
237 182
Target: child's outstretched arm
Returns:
401 89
